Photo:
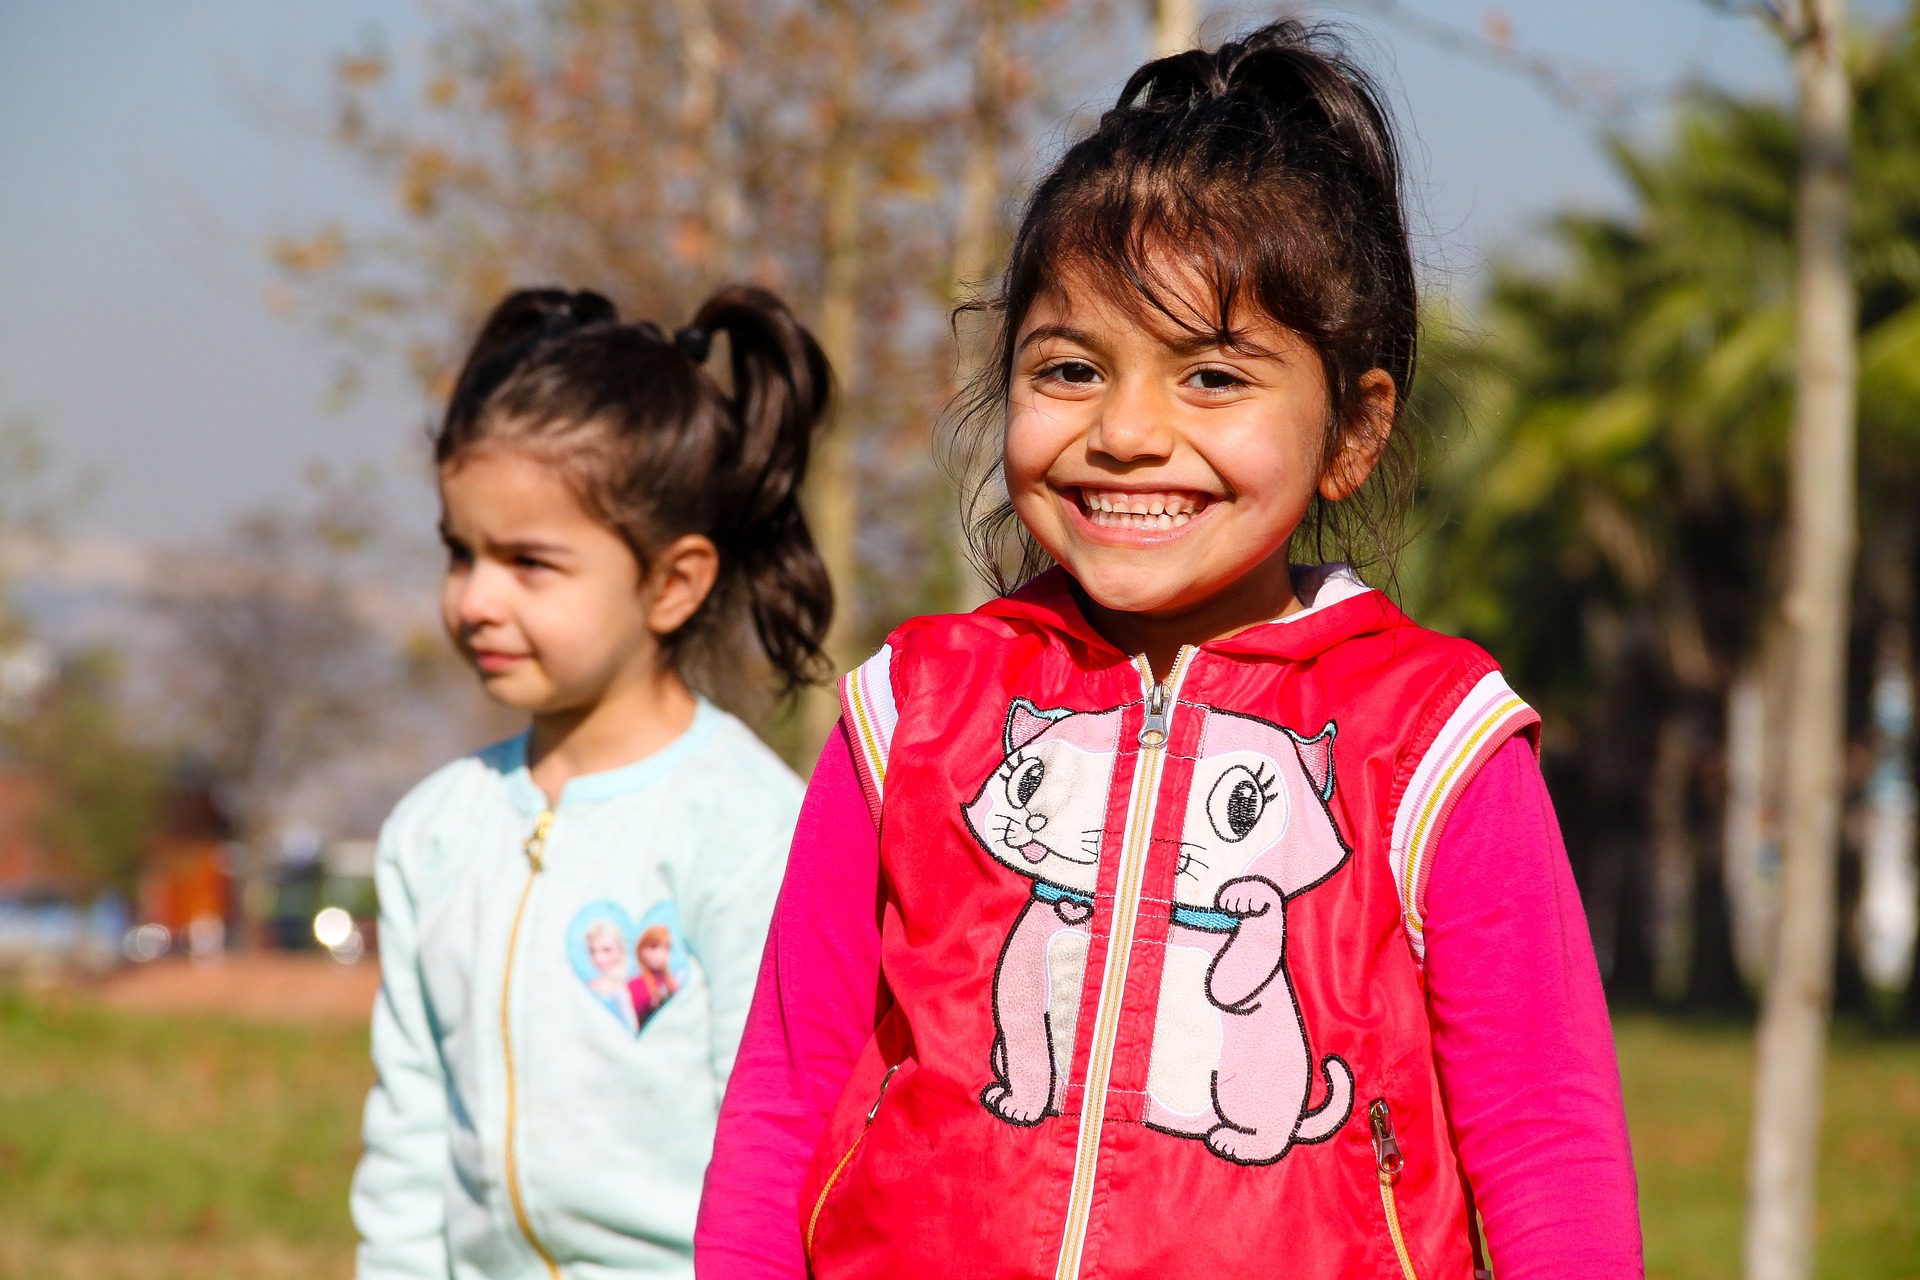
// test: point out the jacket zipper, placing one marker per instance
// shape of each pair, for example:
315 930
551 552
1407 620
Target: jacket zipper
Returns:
536 847
1387 1162
1161 699
820 1202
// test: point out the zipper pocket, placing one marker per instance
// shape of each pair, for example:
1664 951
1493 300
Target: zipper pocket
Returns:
820 1202
1388 1163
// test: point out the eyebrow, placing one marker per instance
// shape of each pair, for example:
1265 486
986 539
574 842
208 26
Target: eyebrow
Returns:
1190 345
1063 332
523 547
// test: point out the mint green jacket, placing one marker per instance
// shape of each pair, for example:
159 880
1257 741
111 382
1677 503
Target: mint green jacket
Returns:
562 992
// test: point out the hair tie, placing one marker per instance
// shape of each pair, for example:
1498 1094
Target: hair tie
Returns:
695 342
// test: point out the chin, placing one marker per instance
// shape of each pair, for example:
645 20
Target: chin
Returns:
1124 593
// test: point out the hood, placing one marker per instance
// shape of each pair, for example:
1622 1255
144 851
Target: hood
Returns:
1336 606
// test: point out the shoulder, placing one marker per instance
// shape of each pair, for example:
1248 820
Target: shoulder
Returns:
730 772
454 792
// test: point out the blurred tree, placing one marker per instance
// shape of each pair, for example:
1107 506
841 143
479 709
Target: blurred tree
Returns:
848 153
103 785
275 668
1815 610
1607 513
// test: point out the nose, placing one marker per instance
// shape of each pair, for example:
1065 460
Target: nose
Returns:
1134 423
477 602
1035 821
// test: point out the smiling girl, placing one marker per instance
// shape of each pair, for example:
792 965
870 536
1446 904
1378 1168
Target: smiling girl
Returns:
610 514
1187 911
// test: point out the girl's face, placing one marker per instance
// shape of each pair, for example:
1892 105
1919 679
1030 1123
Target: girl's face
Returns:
1166 473
545 601
655 955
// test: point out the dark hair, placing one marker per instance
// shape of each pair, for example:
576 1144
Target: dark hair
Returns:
1268 167
655 449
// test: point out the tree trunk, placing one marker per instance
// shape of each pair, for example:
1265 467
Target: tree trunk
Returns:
833 501
1670 833
976 244
1750 869
1176 25
703 117
1820 541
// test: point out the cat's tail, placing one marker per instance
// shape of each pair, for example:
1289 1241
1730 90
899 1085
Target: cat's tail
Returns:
1320 1124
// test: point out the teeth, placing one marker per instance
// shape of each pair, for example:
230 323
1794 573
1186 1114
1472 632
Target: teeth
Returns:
1148 512
1150 508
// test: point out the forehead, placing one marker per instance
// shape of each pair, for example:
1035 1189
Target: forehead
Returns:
1168 301
510 490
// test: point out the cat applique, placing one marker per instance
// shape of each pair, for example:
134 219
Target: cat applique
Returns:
1231 1064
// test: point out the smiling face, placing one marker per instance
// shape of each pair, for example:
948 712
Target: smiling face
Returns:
544 601
1164 471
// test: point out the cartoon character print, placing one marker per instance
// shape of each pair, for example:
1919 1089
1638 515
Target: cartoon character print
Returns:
1230 1063
631 967
1042 812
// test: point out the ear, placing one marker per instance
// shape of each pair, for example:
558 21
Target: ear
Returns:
1363 437
678 582
1025 722
1316 757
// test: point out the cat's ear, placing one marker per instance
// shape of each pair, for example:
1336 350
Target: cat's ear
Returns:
1025 722
1316 756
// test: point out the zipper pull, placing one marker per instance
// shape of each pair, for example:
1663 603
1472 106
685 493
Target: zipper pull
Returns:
1153 731
536 845
885 1080
1386 1148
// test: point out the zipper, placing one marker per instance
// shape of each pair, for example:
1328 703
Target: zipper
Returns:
1161 698
813 1219
536 848
1387 1162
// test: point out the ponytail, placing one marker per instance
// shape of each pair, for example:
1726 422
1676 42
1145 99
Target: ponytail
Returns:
654 449
781 386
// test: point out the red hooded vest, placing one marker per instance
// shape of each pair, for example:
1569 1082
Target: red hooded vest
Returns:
1153 946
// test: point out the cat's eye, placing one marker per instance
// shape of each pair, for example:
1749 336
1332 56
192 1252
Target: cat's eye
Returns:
1024 781
1236 802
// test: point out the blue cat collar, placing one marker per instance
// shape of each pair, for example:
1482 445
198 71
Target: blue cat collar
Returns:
1210 921
1056 893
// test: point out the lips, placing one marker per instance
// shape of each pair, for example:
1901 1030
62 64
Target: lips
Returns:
491 661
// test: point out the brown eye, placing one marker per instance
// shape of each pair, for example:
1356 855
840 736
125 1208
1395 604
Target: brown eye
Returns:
1215 380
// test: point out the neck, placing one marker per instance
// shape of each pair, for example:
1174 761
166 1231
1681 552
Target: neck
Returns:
629 722
1261 596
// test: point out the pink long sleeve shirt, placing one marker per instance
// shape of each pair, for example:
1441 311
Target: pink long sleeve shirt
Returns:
1524 1048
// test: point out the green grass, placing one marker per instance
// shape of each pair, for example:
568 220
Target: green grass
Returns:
151 1147
140 1146
1689 1105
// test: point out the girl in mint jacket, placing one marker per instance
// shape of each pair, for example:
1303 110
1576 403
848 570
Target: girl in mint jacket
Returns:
571 921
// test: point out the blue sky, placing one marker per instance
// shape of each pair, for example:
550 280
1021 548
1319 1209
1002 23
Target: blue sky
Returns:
149 148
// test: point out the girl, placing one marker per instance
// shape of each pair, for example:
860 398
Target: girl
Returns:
1184 913
609 514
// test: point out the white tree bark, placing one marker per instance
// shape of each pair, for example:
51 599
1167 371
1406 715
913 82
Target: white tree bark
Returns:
1821 541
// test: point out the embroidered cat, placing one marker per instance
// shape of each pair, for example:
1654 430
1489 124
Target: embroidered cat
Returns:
1230 1062
1042 812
